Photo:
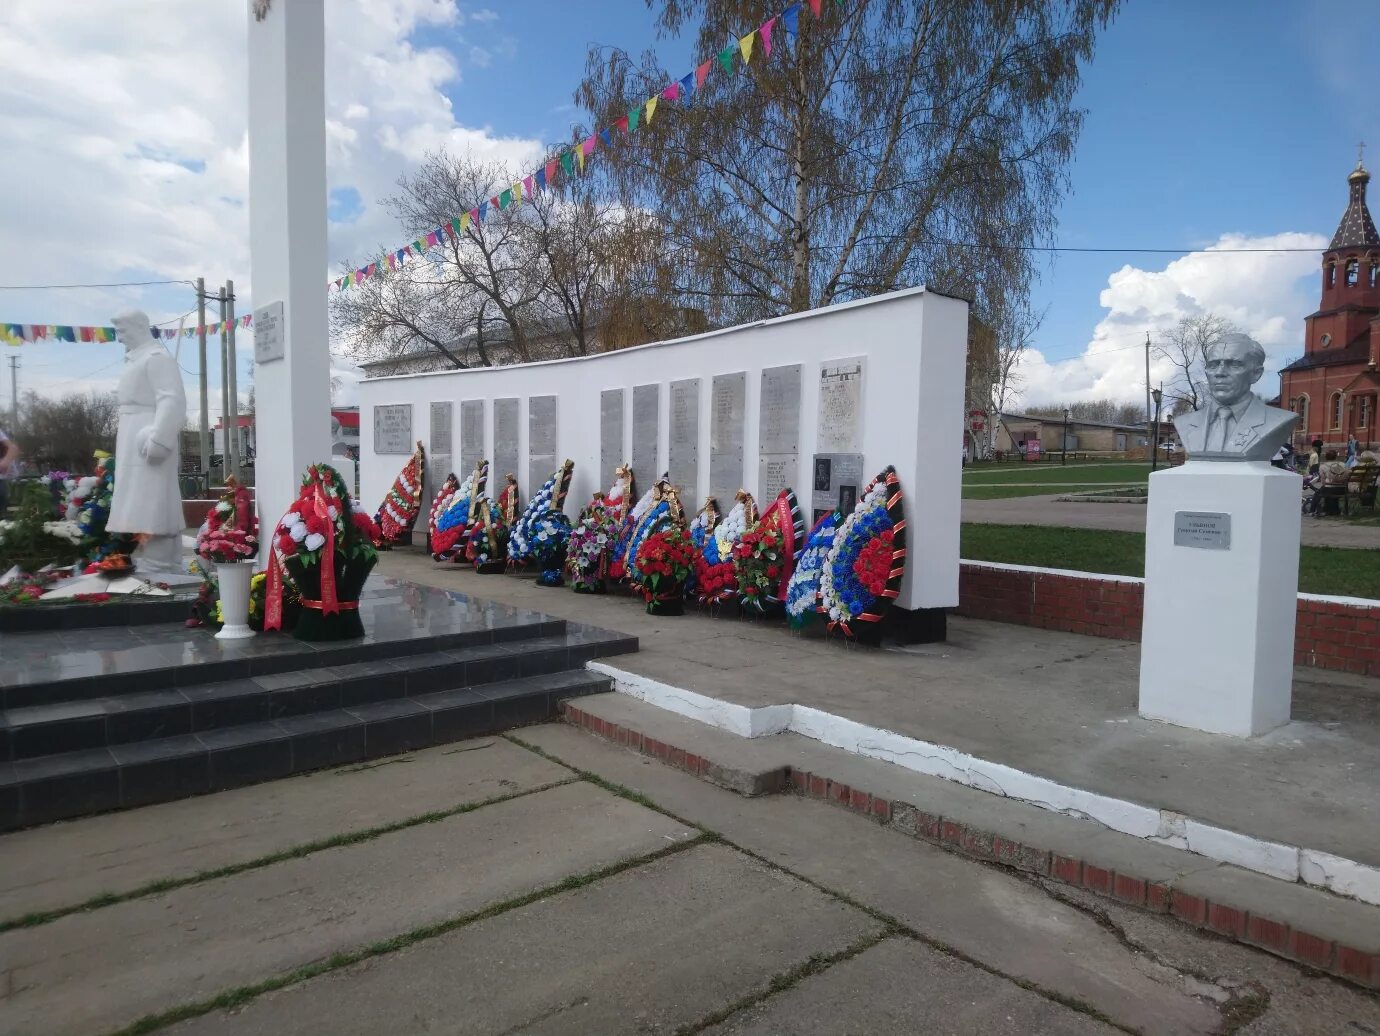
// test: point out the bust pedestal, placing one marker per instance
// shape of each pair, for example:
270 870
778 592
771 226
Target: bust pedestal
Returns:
1221 588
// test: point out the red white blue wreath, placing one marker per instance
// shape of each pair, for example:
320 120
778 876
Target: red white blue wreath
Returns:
863 570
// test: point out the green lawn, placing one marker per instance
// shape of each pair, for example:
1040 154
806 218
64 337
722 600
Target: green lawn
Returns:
1322 570
1051 473
1000 492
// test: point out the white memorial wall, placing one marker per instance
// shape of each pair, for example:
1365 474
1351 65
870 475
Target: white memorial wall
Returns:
822 400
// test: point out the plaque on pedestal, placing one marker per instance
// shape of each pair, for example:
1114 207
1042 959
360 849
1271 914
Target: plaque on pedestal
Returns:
506 456
778 437
471 435
441 415
727 403
646 428
684 461
542 427
393 429
610 435
840 406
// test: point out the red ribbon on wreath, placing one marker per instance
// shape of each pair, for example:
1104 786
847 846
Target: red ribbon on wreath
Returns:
315 496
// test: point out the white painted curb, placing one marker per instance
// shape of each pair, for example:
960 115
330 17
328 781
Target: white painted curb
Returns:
1165 827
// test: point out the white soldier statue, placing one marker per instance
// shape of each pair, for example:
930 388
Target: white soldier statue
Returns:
1235 424
153 406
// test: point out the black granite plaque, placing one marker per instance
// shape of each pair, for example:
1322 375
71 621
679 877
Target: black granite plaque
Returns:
506 456
441 420
684 461
610 435
542 427
393 428
727 406
646 427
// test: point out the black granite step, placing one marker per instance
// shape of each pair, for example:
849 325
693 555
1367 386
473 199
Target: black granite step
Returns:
29 732
70 784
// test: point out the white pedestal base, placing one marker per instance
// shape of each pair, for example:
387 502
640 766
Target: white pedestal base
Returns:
1217 643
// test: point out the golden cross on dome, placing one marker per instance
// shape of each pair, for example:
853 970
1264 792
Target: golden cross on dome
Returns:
1360 153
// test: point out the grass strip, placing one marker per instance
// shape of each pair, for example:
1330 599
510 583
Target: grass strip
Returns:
152 888
241 995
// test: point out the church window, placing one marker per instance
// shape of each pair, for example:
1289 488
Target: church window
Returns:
1302 411
1353 272
1330 277
1374 274
1363 412
1336 410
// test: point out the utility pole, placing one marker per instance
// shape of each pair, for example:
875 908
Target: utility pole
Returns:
234 428
1150 429
226 459
205 401
14 392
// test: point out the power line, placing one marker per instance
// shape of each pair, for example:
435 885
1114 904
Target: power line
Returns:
116 284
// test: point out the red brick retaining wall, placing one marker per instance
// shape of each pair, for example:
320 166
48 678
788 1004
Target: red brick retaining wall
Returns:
1331 633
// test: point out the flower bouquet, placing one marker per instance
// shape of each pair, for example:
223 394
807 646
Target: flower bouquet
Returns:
550 499
398 512
765 557
627 528
325 549
665 510
229 539
802 593
863 569
453 513
715 579
486 545
550 536
587 553
88 504
508 500
665 560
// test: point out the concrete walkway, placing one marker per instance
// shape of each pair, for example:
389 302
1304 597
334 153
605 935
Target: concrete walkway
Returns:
556 884
1047 510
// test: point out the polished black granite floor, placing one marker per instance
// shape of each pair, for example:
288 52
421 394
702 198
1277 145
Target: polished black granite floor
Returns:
116 660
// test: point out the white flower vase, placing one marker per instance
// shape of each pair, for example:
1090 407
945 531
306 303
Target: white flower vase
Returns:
234 579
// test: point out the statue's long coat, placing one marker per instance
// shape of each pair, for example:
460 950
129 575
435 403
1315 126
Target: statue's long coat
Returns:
153 406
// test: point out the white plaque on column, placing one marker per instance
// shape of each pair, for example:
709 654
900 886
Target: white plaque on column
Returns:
840 406
610 435
471 436
393 428
441 418
646 427
542 426
684 461
778 436
506 457
727 403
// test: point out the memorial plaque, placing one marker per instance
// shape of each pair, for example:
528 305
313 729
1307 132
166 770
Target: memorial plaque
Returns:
506 457
837 479
646 427
438 466
610 435
1206 530
541 441
684 461
778 434
471 436
393 428
269 331
441 420
840 406
727 406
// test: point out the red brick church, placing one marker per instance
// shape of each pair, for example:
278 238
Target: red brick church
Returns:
1334 387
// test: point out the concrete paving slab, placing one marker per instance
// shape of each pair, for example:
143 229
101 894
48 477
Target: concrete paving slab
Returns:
648 950
97 971
1007 923
903 986
64 864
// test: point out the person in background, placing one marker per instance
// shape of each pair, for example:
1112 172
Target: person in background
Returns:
1351 450
1315 458
9 467
1284 458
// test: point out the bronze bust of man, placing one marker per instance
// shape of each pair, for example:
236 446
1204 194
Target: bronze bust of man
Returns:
1236 424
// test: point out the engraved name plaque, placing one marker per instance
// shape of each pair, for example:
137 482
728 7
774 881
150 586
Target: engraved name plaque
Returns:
610 435
441 414
471 436
778 451
393 428
541 441
506 457
646 427
1206 530
837 479
840 406
684 461
727 403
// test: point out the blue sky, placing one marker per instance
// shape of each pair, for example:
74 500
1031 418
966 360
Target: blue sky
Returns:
1230 124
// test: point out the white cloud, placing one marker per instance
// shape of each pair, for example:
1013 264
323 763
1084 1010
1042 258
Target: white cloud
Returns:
1266 293
127 152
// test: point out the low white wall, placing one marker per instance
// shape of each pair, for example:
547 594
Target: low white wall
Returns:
915 345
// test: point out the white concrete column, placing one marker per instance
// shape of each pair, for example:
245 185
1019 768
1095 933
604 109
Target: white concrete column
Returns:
287 241
1221 593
